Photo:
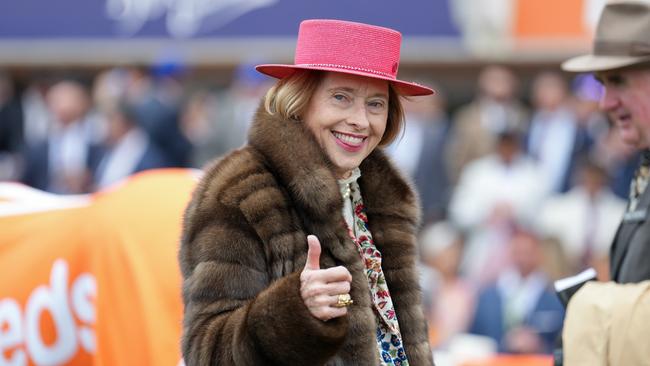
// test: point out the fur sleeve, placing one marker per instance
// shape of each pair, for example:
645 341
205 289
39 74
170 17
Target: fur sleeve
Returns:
235 316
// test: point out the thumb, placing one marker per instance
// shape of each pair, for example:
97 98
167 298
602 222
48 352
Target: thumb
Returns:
313 253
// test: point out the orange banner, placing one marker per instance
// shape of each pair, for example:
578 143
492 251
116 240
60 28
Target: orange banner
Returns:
550 19
93 280
514 360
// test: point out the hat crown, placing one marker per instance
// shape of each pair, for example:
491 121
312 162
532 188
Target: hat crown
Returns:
348 45
624 29
350 48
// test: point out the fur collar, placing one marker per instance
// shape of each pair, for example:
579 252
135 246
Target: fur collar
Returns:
292 154
295 156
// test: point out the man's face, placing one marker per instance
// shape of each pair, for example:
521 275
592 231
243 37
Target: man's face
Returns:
627 102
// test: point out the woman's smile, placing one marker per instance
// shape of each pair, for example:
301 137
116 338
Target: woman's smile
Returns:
349 142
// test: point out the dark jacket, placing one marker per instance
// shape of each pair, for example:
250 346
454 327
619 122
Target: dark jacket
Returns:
545 318
244 245
37 169
630 251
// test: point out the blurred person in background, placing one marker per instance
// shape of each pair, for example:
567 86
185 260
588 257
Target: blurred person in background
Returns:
156 102
486 26
299 248
556 264
555 138
64 162
237 107
447 298
419 152
127 149
110 86
520 311
11 129
36 114
217 122
477 125
584 220
493 194
199 118
586 93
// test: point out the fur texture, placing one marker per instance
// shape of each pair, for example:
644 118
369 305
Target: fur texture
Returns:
245 243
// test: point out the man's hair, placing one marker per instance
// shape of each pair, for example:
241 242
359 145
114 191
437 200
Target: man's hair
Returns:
290 96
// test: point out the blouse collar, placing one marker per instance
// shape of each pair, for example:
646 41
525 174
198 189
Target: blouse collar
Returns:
344 184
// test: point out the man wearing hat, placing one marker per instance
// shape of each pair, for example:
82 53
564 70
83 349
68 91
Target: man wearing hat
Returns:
621 61
605 323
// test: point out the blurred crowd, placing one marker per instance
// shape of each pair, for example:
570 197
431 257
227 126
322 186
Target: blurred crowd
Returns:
72 136
514 195
516 192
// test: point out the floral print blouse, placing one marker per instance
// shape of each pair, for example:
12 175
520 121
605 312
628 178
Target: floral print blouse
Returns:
389 339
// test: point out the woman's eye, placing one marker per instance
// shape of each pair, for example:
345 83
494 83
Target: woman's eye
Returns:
340 97
376 104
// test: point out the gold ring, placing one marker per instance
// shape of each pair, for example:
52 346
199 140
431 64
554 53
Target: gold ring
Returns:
343 300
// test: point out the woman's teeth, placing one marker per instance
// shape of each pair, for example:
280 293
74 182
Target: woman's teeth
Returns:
351 140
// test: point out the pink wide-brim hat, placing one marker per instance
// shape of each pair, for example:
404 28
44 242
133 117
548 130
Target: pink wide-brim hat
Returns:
349 48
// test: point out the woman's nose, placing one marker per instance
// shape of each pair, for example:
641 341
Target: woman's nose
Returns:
359 117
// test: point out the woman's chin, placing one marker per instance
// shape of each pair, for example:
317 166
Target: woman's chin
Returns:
343 169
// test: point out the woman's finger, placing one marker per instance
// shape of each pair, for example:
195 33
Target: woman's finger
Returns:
328 312
334 274
337 288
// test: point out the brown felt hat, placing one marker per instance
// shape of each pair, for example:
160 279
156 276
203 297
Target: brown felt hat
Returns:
622 38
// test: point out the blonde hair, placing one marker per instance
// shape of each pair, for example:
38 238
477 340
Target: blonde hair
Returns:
290 96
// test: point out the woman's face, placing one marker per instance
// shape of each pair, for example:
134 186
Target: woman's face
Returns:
347 114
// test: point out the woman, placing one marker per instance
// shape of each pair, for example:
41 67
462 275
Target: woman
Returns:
298 249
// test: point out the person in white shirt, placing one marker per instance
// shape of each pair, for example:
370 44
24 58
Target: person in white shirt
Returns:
584 220
128 149
494 193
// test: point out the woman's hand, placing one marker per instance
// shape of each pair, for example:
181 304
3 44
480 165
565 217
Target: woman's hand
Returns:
320 288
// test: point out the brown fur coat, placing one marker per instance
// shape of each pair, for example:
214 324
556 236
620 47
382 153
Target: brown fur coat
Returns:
244 245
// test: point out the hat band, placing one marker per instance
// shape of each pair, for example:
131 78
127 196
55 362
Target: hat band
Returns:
606 48
362 69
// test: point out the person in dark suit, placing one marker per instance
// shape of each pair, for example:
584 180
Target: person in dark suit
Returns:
11 128
420 153
556 138
63 163
155 103
519 311
621 62
127 149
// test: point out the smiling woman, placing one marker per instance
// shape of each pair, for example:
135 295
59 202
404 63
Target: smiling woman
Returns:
298 249
347 114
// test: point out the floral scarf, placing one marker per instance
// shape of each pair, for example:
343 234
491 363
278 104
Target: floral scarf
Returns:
389 339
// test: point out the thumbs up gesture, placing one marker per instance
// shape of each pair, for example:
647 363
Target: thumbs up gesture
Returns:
322 289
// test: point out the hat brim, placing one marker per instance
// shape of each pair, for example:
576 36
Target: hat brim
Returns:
593 63
280 71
